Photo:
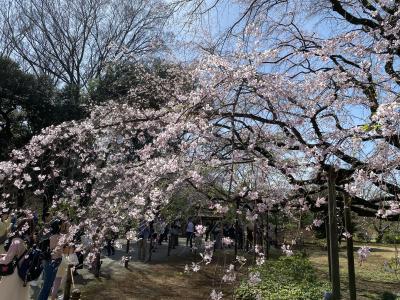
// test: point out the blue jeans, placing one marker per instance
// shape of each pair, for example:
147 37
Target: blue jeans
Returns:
49 274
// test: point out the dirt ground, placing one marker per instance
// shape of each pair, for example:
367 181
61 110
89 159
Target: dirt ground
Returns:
162 278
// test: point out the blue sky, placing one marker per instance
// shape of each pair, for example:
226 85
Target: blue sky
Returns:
215 22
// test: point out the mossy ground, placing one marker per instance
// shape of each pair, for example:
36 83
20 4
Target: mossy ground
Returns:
164 279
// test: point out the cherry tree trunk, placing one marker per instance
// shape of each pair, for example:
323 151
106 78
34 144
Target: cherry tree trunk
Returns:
266 249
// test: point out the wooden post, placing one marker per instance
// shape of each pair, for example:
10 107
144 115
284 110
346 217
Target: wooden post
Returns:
169 244
68 282
299 238
276 230
266 251
246 238
244 232
333 236
150 248
97 265
255 239
350 250
328 246
236 227
236 236
76 294
262 236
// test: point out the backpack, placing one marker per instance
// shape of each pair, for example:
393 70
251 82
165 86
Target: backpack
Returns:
7 243
44 247
31 267
9 268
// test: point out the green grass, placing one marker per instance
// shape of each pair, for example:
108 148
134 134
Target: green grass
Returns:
371 278
286 278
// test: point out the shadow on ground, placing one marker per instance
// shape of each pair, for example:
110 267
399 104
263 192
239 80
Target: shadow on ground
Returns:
160 278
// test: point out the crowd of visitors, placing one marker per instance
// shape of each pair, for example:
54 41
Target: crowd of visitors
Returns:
33 251
151 234
36 249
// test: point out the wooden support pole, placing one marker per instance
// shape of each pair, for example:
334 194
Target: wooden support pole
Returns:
262 236
151 246
255 240
333 236
68 283
236 227
328 246
266 251
246 238
350 249
169 243
236 237
276 230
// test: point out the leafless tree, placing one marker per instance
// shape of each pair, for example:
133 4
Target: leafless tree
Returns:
294 27
72 40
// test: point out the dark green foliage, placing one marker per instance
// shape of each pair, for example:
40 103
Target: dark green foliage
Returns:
115 83
29 103
288 278
391 237
120 78
68 105
320 231
24 105
389 296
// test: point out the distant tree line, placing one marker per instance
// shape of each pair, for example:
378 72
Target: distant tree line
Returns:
58 58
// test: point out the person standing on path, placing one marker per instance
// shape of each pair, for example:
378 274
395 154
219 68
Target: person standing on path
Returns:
144 233
163 232
189 233
157 232
110 236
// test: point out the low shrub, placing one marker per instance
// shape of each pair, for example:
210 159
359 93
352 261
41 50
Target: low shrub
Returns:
389 296
288 278
391 238
363 236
